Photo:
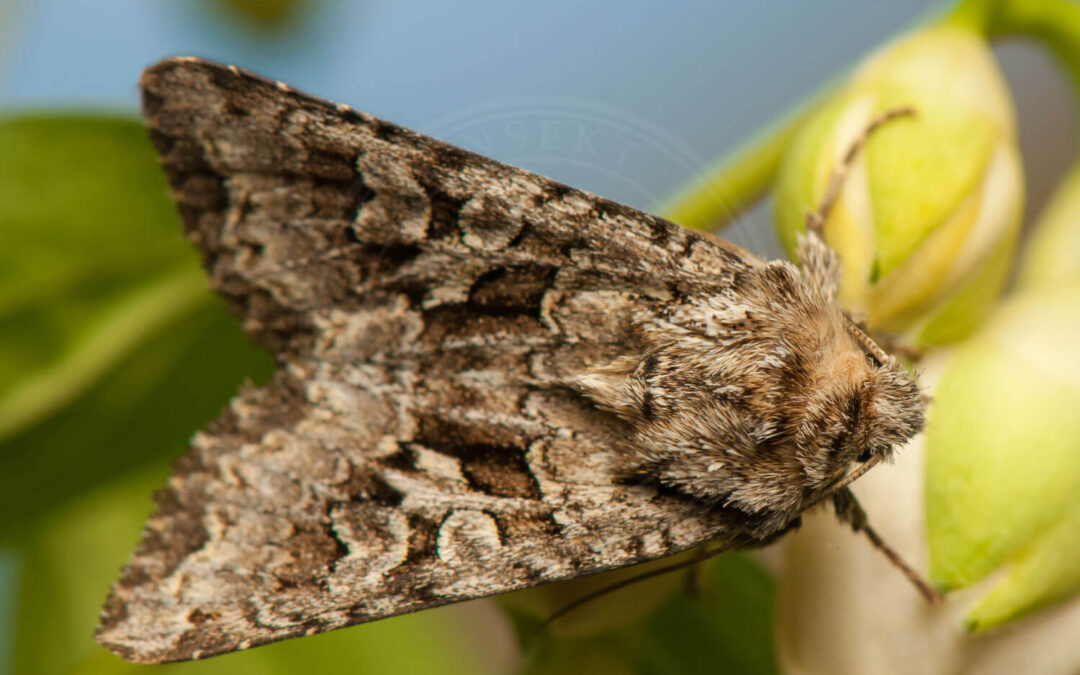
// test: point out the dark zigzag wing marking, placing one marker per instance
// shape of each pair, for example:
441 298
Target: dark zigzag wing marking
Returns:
420 443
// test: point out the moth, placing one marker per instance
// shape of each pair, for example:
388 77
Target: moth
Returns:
487 380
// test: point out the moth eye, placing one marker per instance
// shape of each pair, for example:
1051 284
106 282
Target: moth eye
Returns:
864 457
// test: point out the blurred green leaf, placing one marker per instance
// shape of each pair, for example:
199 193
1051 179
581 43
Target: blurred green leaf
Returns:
267 13
112 350
85 229
728 628
9 577
143 410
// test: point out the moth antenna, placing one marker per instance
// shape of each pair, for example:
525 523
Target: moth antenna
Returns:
857 473
816 220
819 262
701 557
851 512
880 346
896 346
867 342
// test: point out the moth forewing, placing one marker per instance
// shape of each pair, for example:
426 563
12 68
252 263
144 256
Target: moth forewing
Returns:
487 380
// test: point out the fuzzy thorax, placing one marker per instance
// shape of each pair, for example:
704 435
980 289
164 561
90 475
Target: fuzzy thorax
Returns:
757 399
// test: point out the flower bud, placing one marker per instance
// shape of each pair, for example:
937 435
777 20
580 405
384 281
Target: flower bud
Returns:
1003 458
928 216
1052 253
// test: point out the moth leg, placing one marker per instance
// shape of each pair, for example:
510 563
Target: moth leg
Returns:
699 557
849 511
819 262
692 581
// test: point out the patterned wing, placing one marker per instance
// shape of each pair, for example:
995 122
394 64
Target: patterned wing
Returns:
422 442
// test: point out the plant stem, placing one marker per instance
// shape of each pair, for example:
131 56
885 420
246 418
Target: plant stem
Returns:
1055 23
1050 254
736 182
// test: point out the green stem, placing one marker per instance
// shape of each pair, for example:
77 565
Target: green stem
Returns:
735 183
738 181
1055 23
1051 252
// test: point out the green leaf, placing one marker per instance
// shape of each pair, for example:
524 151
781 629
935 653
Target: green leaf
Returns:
85 230
728 628
9 577
112 350
143 410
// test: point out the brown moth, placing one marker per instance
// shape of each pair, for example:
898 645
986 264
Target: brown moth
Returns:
487 380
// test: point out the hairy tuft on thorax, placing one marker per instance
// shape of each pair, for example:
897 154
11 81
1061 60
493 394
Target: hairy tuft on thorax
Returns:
756 398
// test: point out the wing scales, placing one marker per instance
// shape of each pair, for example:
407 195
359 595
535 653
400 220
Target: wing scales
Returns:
422 442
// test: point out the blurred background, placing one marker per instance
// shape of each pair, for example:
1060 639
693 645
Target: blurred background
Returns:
112 353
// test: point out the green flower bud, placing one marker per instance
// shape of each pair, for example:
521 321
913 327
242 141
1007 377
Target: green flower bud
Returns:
1003 458
928 218
1052 253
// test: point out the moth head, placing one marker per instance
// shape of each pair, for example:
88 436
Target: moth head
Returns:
863 406
897 409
